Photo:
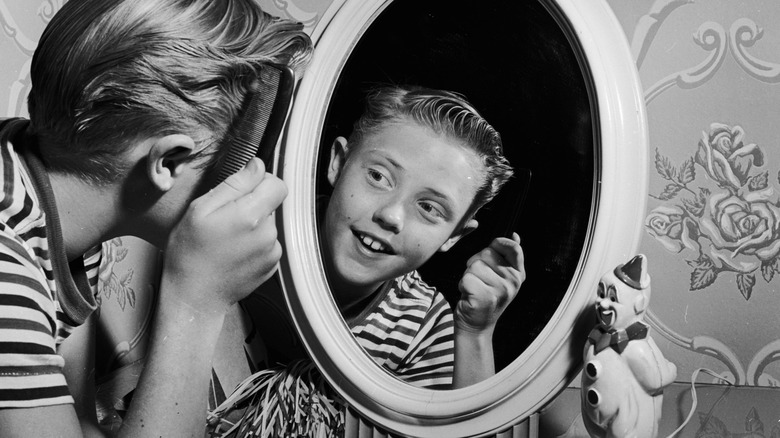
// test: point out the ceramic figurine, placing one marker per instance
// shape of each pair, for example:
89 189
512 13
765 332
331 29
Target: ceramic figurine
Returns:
624 373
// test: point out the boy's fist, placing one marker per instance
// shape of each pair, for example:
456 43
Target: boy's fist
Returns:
226 244
491 281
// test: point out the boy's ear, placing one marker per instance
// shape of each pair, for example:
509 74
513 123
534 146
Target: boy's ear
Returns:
167 157
338 155
468 227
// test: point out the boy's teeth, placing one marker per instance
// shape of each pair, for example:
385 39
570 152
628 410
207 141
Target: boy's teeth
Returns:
373 244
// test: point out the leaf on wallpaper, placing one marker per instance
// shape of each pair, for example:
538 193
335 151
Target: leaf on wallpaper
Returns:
711 427
758 182
768 270
109 282
121 252
745 283
664 166
687 171
669 192
724 220
753 423
694 206
125 282
703 273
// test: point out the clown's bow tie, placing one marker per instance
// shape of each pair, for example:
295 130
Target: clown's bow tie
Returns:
617 339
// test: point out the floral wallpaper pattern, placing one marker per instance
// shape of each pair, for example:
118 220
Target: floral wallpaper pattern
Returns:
709 70
110 283
729 228
711 426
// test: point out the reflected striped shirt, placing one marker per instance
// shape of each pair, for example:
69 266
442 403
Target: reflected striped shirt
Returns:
410 332
42 297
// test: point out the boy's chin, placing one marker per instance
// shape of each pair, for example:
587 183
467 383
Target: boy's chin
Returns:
354 280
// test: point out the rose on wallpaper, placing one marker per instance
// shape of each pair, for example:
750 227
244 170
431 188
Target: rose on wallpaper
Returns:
109 282
726 158
732 226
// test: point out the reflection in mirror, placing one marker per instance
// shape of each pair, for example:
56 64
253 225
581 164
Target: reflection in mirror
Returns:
517 67
406 184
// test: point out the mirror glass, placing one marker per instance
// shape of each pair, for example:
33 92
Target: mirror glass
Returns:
515 64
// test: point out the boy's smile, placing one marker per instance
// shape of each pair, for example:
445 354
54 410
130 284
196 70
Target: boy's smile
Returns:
398 197
374 244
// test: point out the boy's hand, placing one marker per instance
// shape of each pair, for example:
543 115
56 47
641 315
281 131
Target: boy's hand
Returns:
491 281
226 244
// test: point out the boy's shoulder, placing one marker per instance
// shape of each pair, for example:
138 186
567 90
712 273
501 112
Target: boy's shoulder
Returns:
411 286
20 209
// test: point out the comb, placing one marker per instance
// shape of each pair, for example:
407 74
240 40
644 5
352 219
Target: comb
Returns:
524 176
260 123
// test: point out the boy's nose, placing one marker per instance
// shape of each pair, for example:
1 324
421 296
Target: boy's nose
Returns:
390 217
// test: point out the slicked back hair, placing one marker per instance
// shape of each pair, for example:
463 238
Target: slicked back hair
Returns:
107 73
445 113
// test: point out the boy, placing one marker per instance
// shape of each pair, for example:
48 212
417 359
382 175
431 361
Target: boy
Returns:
418 165
129 108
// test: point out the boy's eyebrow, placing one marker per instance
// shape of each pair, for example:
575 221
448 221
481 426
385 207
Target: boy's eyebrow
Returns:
447 201
391 160
439 194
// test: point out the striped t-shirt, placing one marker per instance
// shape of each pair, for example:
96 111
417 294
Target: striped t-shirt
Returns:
42 296
409 331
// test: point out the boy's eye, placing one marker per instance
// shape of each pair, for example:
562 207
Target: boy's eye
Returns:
377 178
431 210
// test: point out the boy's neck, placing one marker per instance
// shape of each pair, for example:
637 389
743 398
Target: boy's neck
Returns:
88 213
353 301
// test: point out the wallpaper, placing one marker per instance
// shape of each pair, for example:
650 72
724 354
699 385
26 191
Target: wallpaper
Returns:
710 72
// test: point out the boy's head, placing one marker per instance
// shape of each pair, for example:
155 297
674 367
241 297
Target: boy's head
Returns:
108 73
445 113
407 183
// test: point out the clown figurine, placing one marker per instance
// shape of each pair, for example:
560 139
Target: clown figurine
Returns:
624 373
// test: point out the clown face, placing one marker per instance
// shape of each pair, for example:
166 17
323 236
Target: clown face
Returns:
615 303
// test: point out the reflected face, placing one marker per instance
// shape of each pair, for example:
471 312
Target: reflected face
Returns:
398 197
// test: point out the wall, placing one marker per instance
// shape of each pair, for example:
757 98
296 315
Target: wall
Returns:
710 71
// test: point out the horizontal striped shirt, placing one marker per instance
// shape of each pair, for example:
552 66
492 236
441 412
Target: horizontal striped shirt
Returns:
409 331
42 296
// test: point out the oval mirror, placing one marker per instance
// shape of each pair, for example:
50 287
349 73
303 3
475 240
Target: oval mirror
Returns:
557 79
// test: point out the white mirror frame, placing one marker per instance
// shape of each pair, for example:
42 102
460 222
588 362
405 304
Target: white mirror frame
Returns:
553 358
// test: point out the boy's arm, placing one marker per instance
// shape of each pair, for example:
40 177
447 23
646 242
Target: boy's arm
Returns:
79 353
222 250
491 281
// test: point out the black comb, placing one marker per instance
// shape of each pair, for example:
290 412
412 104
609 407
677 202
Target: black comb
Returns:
524 177
261 121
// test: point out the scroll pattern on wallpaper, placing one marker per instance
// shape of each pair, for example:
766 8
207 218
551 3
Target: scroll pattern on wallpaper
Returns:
719 209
